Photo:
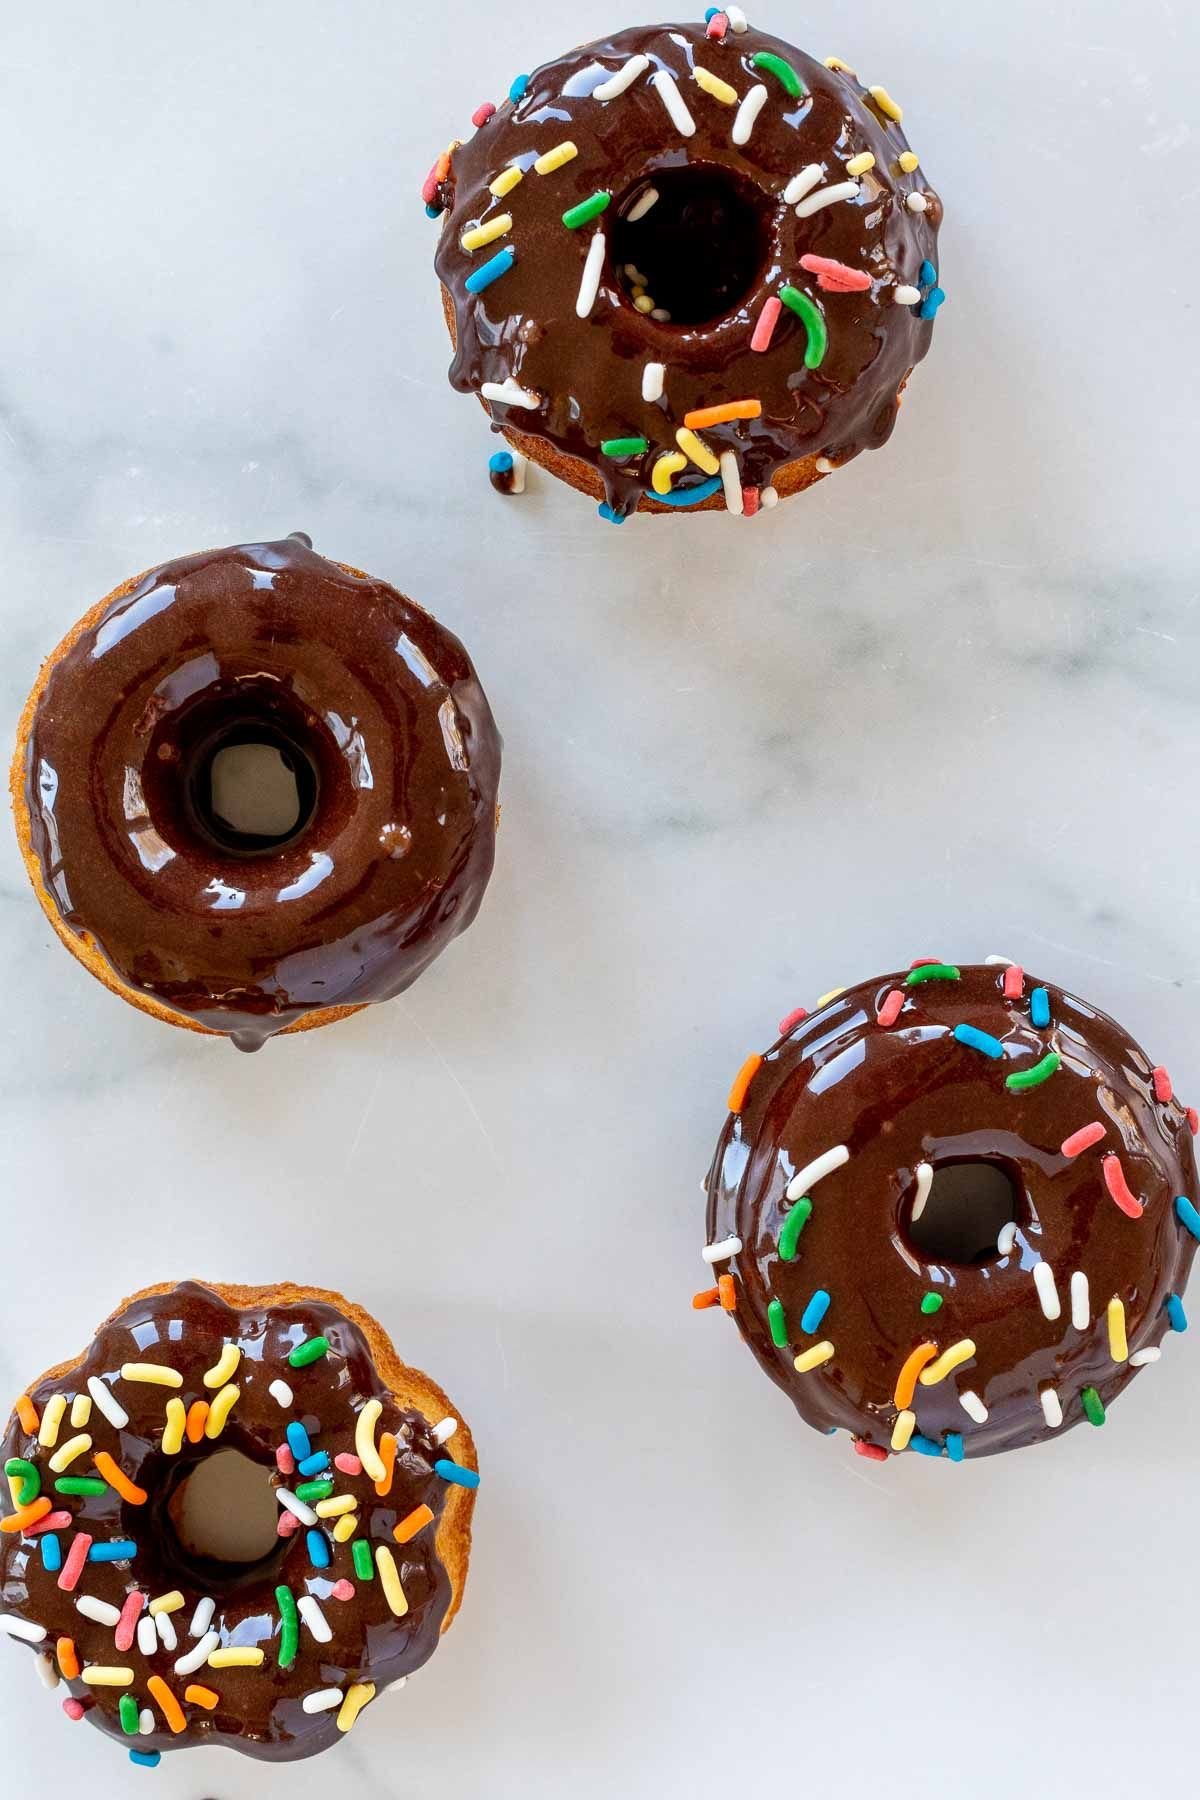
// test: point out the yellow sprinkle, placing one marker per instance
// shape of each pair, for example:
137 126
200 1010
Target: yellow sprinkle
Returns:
886 104
668 464
335 1506
345 1528
236 1659
838 66
506 181
903 1429
167 1603
643 303
488 232
358 1695
389 1575
812 1359
364 1440
62 1459
96 1675
712 84
81 1411
157 1374
172 1437
15 1484
52 1418
557 158
225 1368
220 1410
858 165
909 160
833 994
697 450
1118 1341
937 1371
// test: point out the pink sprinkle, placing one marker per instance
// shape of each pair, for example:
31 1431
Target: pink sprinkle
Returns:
793 1019
285 1462
749 501
342 1590
872 1452
74 1709
1118 1187
429 191
1014 981
891 1009
768 318
718 25
131 1612
924 962
836 277
288 1522
55 1521
1162 1085
482 114
77 1557
1079 1141
347 1464
1193 1119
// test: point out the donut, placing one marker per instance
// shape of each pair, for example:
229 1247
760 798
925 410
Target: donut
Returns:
368 710
688 266
952 1211
152 1639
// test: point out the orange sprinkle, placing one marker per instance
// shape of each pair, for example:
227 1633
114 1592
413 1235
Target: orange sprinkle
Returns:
408 1528
387 1452
441 167
708 1298
68 1661
727 1293
906 1386
27 1413
201 1696
26 1516
741 1083
722 415
197 1419
168 1705
116 1478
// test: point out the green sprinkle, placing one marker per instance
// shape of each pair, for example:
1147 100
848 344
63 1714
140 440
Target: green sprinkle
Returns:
1031 1078
932 972
364 1562
586 211
783 71
308 1491
80 1484
289 1637
932 1303
129 1715
310 1352
31 1482
1093 1406
814 323
630 446
777 1320
793 1225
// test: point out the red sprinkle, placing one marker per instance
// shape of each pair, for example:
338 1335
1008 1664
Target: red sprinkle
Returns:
793 1019
1118 1187
53 1521
1193 1119
749 501
727 1293
73 1568
74 1709
924 962
718 25
836 277
429 191
768 318
1079 1141
347 1464
872 1452
1162 1085
483 113
131 1612
288 1522
891 1009
285 1462
1014 981
342 1590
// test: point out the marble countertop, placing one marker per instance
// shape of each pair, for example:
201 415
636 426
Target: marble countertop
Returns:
946 704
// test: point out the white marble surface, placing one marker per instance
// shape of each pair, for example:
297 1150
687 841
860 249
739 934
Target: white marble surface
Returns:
944 704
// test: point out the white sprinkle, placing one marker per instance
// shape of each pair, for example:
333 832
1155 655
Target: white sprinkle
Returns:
731 477
20 1628
1047 1291
661 314
445 1431
803 183
654 376
202 1617
107 1403
828 196
315 1619
510 393
1004 962
281 1392
917 203
815 1171
519 469
911 296
924 1185
146 1726
394 1687
769 497
1006 1243
199 1655
99 1611
1140 1358
617 84
1052 1407
1081 1305
147 1636
973 1406
737 19
648 199
824 466
47 1671
668 92
166 1631
589 287
715 1253
297 1508
747 114
325 1699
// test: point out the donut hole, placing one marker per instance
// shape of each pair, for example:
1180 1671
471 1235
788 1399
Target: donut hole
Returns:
694 254
223 1510
969 1204
253 788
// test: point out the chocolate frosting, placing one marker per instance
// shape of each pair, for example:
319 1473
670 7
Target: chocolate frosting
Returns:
382 710
587 373
260 1709
915 1094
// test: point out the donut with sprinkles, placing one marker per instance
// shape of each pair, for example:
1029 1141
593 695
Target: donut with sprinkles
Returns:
953 1211
688 266
130 1615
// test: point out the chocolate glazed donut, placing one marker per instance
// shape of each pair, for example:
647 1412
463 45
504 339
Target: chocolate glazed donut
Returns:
953 1211
373 706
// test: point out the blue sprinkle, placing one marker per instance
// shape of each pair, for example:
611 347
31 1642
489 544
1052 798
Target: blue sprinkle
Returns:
516 92
979 1040
318 1549
451 1471
928 275
815 1311
691 496
924 1446
491 271
1187 1215
316 1464
930 304
299 1442
51 1552
711 14
614 518
954 1446
434 212
118 1550
501 463
1176 1313
146 1759
1039 1008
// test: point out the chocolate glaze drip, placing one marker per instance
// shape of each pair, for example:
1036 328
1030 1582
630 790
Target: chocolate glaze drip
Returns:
897 1098
588 372
379 710
260 1710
